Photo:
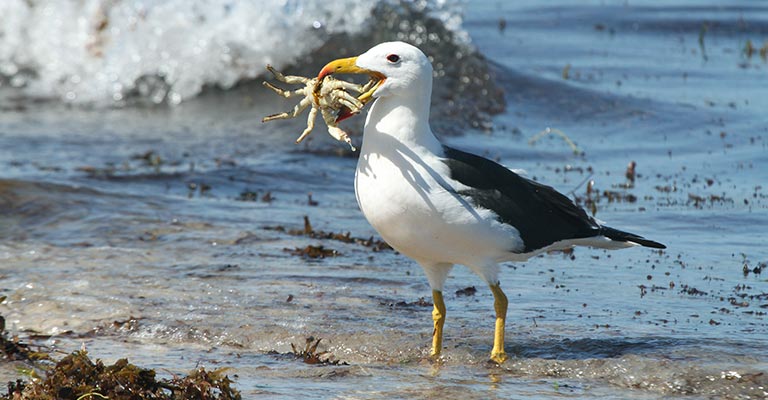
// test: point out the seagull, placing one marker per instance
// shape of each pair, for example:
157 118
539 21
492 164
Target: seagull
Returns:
442 206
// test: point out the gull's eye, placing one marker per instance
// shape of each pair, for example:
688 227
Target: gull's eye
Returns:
393 58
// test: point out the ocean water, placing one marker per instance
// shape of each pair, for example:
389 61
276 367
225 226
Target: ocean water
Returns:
145 210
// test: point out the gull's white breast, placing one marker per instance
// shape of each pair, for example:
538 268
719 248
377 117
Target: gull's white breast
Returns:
406 195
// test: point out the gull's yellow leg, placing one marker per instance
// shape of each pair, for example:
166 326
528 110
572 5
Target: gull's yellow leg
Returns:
500 305
438 316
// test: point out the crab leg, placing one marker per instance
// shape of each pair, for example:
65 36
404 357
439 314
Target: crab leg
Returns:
349 101
349 86
303 104
368 85
310 124
289 79
334 130
367 91
283 92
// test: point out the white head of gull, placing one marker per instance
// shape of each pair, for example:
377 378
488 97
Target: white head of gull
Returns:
442 206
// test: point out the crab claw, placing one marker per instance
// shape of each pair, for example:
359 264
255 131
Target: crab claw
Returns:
340 135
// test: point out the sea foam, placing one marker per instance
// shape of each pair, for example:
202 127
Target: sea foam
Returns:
104 51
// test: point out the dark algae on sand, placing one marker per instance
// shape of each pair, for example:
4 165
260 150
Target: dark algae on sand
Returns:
76 376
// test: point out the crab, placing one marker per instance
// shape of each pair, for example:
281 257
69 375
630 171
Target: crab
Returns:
328 95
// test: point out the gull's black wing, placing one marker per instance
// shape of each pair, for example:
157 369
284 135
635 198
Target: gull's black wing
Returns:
541 214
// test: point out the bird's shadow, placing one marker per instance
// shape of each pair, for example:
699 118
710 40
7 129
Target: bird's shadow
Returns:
406 158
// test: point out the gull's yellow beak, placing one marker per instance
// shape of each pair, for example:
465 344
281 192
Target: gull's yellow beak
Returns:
341 66
349 66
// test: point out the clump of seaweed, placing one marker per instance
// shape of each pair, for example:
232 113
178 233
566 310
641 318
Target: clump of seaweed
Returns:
253 196
308 231
13 349
203 385
593 196
697 201
421 302
313 251
467 291
76 377
310 355
750 49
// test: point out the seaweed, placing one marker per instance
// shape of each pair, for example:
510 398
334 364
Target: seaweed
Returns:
421 302
467 291
13 349
593 196
310 355
313 251
308 231
253 196
750 49
77 377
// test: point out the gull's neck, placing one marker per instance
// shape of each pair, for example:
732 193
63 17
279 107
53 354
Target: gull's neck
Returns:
403 118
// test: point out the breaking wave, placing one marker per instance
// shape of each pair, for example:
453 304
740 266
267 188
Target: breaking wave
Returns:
111 52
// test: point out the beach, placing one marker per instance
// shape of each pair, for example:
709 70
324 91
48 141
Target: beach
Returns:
162 221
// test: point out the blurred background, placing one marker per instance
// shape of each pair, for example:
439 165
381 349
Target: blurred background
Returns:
147 212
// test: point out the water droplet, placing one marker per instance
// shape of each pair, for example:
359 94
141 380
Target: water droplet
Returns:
174 98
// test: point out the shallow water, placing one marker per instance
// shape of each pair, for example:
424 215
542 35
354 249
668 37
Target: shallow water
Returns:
124 229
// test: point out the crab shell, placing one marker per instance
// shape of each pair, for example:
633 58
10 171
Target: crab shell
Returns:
347 65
